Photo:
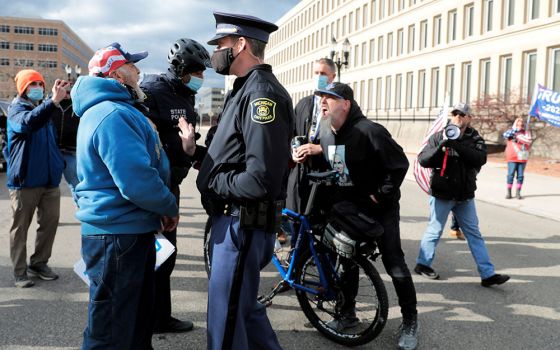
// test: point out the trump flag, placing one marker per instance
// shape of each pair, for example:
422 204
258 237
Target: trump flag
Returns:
546 105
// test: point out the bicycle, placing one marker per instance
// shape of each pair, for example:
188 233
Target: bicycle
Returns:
315 268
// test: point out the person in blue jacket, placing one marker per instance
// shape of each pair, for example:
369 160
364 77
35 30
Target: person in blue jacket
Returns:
170 97
123 200
34 171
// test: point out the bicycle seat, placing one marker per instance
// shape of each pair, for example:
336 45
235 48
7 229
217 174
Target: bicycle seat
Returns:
322 176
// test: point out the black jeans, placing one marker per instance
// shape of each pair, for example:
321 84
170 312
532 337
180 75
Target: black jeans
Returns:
393 260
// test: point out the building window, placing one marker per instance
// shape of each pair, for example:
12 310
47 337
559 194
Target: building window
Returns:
435 87
371 50
450 82
4 45
391 7
4 61
398 89
370 95
557 6
437 31
530 68
505 79
421 88
388 84
400 42
23 46
4 28
488 10
48 31
555 69
423 34
411 34
484 87
381 9
466 88
533 8
389 45
509 12
380 48
47 64
452 26
362 92
401 5
23 62
469 20
364 53
23 30
373 9
364 15
358 22
48 47
378 93
409 87
356 55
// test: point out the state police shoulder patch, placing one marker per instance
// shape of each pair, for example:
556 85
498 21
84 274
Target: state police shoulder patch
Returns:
263 110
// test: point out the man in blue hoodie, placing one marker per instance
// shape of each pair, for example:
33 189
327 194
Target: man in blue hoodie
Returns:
34 172
123 200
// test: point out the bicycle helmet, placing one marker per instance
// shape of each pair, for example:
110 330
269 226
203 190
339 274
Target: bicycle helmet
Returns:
187 56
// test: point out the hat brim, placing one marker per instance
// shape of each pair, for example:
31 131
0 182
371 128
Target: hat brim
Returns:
218 36
136 57
327 92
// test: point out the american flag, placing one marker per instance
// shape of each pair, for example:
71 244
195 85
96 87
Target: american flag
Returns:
421 174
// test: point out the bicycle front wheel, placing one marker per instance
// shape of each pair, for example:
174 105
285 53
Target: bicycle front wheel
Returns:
333 312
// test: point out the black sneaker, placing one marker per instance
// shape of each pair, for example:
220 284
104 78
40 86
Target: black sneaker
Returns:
23 281
494 280
42 271
408 334
174 326
426 271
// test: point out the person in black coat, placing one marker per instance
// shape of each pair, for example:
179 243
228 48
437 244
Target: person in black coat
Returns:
170 97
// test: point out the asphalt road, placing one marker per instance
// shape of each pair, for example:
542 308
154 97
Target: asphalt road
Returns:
455 312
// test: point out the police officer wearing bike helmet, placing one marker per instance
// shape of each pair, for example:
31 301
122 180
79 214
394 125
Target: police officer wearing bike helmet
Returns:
242 182
170 97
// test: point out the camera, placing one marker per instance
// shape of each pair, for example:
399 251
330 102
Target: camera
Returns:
298 141
452 132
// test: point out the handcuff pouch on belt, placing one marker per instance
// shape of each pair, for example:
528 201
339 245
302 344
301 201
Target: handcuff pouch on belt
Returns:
265 216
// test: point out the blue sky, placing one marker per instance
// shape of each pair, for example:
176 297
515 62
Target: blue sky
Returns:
145 25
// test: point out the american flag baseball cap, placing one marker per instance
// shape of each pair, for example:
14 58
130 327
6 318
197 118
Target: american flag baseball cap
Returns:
110 58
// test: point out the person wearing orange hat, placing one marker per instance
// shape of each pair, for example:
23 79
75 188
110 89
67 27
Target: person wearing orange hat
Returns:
34 172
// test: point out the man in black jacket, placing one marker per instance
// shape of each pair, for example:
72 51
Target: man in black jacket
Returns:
170 97
372 167
455 163
307 124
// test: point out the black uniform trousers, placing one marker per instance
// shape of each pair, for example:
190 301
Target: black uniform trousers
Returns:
163 275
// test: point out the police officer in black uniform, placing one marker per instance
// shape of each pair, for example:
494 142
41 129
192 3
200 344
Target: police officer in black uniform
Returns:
169 97
242 182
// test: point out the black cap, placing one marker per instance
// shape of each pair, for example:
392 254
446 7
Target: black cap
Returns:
241 25
338 90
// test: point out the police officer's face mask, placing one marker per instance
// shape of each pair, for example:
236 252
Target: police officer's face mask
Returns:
222 59
195 83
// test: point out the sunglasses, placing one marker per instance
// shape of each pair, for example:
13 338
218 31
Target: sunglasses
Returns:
462 115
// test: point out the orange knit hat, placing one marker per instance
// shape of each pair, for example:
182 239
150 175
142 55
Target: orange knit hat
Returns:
26 77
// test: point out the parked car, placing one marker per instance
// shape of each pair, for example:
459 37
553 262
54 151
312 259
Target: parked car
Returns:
4 104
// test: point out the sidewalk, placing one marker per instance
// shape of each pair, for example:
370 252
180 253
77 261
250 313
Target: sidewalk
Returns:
541 194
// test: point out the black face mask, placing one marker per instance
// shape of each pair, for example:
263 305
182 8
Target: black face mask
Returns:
221 60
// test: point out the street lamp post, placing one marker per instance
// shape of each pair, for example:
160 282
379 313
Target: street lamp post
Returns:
341 55
77 69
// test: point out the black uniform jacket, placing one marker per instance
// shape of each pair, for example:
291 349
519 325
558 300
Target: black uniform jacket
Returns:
249 155
66 125
168 99
465 158
298 185
374 162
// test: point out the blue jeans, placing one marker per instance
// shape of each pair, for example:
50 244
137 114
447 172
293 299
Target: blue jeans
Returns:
465 213
70 172
515 167
121 293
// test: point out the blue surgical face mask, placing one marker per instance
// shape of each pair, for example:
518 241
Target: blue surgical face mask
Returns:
35 93
321 82
195 83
